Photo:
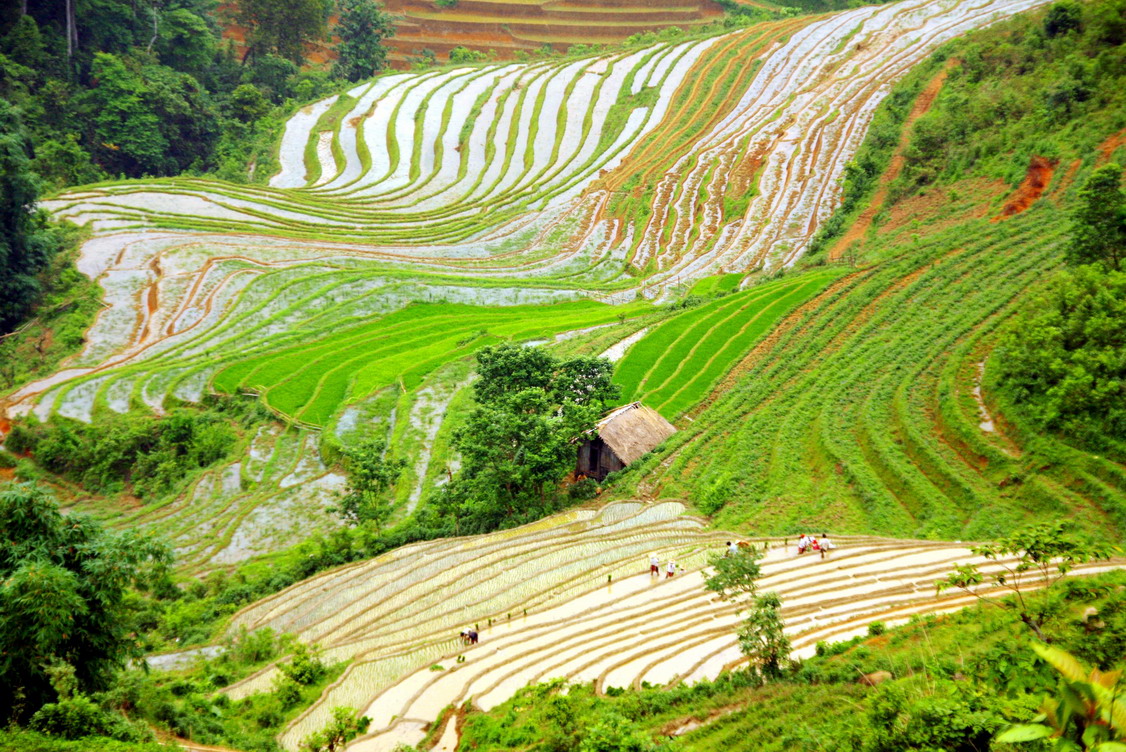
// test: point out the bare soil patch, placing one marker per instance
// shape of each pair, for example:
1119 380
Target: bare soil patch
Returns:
1036 180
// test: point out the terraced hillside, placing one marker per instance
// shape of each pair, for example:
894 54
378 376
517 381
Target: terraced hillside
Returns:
496 184
505 27
866 410
569 597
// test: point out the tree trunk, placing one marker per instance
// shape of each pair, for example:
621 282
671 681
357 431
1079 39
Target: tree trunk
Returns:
69 32
71 29
155 21
1031 624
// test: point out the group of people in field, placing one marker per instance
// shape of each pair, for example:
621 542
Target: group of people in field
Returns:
671 567
811 544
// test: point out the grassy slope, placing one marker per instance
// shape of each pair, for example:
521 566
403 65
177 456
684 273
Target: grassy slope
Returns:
674 366
858 413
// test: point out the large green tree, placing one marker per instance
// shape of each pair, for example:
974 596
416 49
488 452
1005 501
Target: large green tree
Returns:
520 441
283 27
371 473
27 242
362 27
1064 360
148 119
1099 220
65 585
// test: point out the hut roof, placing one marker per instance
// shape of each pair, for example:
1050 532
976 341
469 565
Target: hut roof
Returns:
632 430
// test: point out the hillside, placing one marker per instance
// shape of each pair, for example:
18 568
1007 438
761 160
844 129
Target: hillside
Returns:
505 30
804 242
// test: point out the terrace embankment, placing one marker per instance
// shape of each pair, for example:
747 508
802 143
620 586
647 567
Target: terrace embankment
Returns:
506 28
570 596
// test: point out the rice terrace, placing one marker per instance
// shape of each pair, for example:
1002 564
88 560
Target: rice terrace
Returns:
572 375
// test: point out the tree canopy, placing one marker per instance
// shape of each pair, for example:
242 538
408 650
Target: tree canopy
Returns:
362 27
1064 360
520 441
370 474
64 596
27 243
734 577
283 27
1099 220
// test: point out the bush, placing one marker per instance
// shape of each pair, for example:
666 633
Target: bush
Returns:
80 716
583 490
1060 362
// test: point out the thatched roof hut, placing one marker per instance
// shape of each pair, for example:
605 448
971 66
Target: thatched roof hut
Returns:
626 433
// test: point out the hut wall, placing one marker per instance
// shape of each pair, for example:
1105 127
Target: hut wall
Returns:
596 460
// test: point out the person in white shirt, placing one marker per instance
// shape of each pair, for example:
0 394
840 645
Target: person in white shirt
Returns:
670 570
654 565
826 545
731 549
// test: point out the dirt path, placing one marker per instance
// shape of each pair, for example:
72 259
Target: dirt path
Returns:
922 105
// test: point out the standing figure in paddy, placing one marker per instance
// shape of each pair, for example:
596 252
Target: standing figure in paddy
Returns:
654 565
670 570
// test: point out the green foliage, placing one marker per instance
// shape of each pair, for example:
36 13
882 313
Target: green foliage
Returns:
949 720
79 716
148 120
64 162
305 667
1085 714
1061 361
1062 17
519 442
64 596
761 637
282 27
362 28
1099 220
27 243
343 728
17 740
185 702
461 54
248 104
370 474
148 454
1044 553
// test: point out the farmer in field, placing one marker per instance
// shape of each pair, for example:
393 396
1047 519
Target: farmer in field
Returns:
654 565
670 570
731 549
803 543
826 545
